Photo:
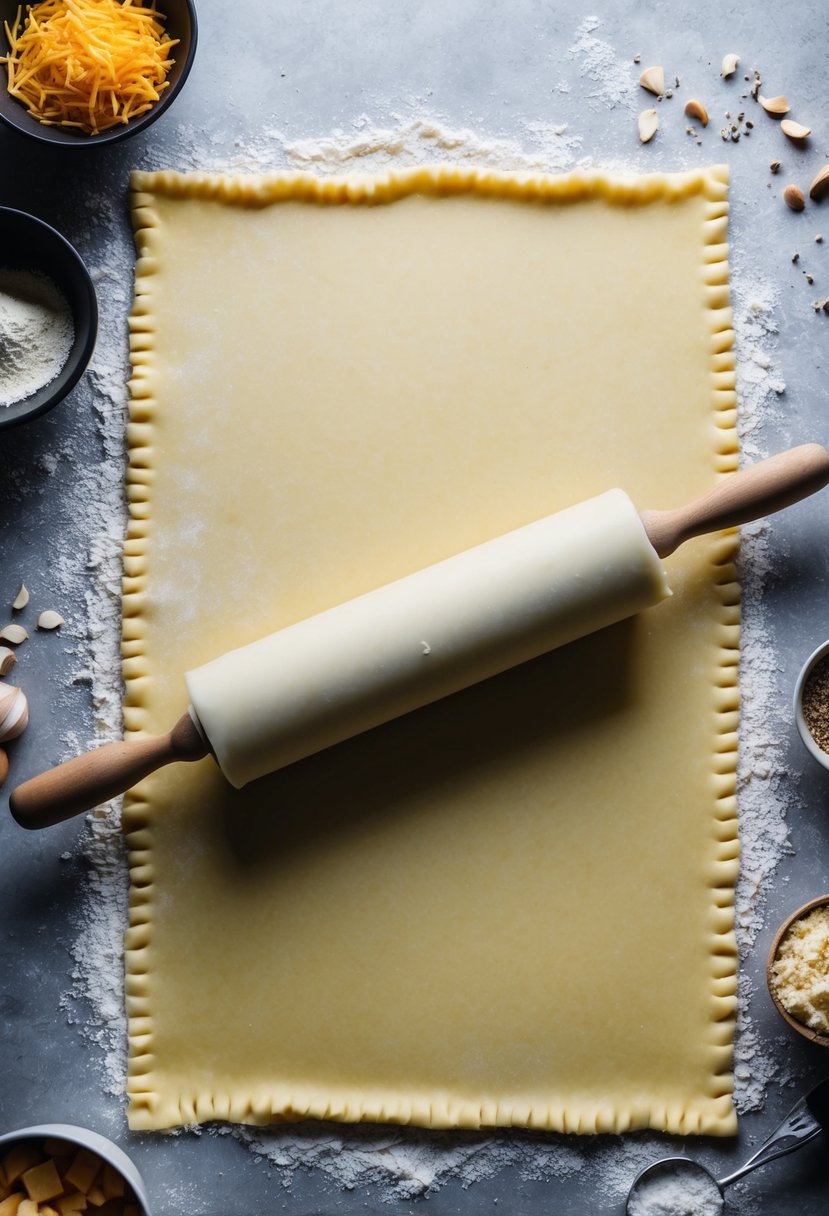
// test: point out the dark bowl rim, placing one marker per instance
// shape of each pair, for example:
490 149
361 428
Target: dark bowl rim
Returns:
116 134
81 359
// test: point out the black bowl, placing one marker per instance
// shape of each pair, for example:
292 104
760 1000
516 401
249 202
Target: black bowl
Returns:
181 24
27 243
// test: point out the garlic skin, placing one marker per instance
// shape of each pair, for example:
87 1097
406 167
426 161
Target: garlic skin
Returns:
14 712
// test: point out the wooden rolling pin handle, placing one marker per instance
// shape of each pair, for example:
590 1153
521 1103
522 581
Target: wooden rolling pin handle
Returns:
766 487
87 781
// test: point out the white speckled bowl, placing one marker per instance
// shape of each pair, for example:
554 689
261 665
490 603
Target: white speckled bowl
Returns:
809 743
86 1139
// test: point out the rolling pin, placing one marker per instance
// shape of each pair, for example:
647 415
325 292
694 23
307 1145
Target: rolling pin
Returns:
423 637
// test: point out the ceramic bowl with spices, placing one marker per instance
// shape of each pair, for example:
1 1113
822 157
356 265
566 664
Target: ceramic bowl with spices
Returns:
48 317
811 704
56 1167
56 89
798 970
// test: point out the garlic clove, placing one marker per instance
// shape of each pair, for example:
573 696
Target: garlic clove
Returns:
14 712
653 79
21 599
7 660
795 130
14 634
774 105
820 185
648 125
695 109
4 766
729 65
50 620
793 197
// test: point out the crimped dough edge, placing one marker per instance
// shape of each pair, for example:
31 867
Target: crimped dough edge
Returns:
712 1113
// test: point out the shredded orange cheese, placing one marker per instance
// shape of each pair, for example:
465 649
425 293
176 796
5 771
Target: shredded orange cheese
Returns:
88 64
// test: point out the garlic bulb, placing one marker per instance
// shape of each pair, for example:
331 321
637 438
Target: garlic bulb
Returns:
14 712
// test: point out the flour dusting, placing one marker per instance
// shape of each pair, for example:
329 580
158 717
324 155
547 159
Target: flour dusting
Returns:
403 1163
403 141
613 81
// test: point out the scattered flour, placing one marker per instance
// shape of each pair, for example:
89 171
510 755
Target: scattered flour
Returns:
404 1163
405 140
613 81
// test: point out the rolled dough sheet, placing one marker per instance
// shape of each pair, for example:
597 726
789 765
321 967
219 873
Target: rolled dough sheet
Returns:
513 907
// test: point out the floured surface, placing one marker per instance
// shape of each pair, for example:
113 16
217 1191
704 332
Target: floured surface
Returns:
336 396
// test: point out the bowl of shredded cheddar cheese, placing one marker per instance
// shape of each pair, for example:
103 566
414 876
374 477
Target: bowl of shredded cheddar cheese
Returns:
75 72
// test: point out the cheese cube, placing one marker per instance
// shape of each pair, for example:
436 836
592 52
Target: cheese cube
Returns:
84 1170
112 1182
68 1205
43 1182
18 1159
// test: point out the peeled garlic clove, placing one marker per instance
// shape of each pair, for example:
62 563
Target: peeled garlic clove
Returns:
21 599
774 105
14 712
50 620
648 125
653 79
7 660
820 185
695 109
14 634
795 130
729 65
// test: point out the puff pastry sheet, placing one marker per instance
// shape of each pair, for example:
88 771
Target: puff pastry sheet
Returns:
515 907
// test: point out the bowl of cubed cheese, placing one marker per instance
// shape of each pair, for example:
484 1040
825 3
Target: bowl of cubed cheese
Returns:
56 1169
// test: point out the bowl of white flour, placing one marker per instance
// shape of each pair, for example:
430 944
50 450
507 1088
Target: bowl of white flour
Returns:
48 317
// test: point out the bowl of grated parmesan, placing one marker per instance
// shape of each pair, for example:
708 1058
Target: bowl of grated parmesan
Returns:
48 317
80 72
798 970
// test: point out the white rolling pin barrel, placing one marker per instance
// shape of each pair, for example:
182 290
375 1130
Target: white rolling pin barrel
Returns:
426 636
